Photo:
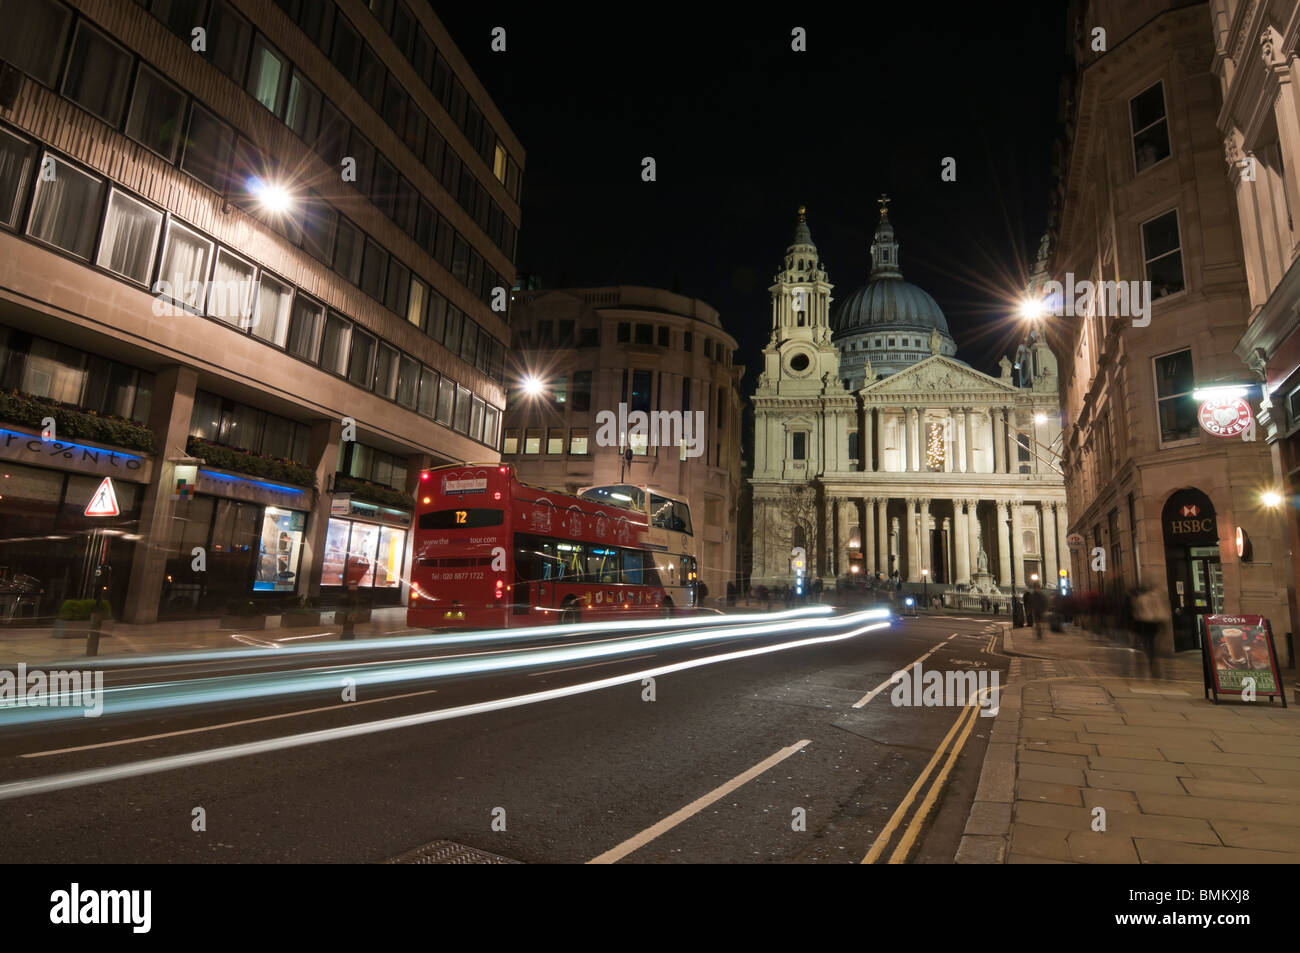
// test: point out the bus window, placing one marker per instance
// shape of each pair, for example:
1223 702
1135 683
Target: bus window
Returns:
602 565
639 568
682 518
661 512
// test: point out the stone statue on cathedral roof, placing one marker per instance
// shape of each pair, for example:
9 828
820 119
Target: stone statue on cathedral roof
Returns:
936 341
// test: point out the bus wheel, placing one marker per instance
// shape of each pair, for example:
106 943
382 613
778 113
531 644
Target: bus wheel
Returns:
570 614
666 609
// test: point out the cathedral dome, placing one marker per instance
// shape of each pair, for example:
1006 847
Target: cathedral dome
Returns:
888 303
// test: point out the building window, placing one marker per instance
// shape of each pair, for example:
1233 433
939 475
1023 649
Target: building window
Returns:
415 303
302 112
274 300
533 440
582 391
231 295
65 212
348 252
624 332
305 328
228 38
708 347
428 402
578 441
853 446
361 359
184 271
446 401
511 444
663 337
336 344
799 445
318 223
491 421
1175 382
386 372
157 114
1163 255
645 334
463 397
130 239
555 441
399 286
15 164
374 266
1150 126
559 392
208 148
33 37
268 77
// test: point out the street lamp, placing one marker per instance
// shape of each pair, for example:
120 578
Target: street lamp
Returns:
925 586
1271 499
533 386
272 196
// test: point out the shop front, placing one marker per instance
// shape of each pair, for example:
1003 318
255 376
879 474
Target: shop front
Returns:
378 534
1192 562
236 544
54 549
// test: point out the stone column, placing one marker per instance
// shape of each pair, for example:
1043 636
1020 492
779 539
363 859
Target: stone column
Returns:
324 450
882 535
999 439
970 439
169 419
1013 442
845 517
959 439
758 542
926 551
1062 530
913 542
961 533
914 461
905 442
827 561
866 451
1049 544
868 537
973 535
1004 547
1017 548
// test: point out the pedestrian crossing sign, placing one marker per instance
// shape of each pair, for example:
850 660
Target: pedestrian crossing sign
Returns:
104 502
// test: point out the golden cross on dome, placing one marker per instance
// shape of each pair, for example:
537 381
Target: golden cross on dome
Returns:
882 202
801 213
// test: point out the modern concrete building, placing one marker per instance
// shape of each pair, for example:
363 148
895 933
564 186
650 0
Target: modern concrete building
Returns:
877 451
1255 62
249 258
1143 197
592 349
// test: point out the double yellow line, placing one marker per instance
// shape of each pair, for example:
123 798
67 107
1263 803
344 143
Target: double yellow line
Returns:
960 731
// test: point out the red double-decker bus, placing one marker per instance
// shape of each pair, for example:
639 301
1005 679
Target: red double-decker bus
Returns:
491 552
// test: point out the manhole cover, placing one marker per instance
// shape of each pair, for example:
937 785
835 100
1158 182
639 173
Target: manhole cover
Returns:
448 852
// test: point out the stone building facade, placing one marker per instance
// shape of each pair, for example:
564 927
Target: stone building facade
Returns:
1142 196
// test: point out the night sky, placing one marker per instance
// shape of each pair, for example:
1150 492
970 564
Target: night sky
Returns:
744 130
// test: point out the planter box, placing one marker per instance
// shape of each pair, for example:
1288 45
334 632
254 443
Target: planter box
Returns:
358 615
294 620
242 622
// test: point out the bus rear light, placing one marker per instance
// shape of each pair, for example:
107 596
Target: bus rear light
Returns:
502 469
424 476
496 495
428 500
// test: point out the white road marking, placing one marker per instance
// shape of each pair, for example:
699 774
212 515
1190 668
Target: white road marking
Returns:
228 724
861 702
638 841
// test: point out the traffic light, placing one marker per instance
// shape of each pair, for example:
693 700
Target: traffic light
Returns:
1063 583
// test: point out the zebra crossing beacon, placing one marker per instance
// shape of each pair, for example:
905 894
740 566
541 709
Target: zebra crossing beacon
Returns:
492 552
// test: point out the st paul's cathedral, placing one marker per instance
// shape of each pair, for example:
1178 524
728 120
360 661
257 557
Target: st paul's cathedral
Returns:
879 452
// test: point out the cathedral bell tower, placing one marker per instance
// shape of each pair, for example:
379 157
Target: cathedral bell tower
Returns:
799 359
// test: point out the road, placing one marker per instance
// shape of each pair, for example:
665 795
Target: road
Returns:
760 758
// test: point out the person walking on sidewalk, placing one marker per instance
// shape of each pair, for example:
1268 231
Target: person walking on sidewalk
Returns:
1146 614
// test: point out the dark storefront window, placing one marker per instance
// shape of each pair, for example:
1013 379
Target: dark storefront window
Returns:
42 368
219 420
51 552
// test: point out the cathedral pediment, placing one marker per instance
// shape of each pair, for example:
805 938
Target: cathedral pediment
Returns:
938 375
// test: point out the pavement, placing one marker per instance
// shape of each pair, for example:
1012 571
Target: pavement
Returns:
41 644
1093 761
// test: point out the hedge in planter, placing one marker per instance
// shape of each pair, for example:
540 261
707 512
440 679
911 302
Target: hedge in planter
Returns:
373 492
71 421
254 464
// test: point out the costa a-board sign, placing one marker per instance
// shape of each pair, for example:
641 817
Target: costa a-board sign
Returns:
1225 416
1239 659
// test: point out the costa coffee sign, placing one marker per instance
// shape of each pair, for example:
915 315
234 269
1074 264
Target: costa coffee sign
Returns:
1225 416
